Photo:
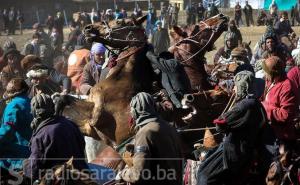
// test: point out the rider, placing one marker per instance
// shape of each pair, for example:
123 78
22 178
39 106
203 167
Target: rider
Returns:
156 146
225 51
15 131
54 141
241 126
173 77
95 70
234 32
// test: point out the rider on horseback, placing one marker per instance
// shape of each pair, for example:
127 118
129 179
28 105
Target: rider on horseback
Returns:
155 139
242 126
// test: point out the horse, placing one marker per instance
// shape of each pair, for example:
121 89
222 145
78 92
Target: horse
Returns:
191 44
109 100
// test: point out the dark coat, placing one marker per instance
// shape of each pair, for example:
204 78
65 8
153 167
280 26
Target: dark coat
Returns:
160 41
58 139
173 77
283 28
243 126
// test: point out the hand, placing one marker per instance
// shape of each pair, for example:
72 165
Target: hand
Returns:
64 92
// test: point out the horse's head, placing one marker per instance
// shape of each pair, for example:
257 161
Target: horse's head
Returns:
117 33
201 36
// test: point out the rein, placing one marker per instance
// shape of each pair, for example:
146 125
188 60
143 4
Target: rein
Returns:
190 39
129 53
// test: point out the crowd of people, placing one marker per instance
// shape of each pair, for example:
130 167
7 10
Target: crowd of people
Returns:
32 129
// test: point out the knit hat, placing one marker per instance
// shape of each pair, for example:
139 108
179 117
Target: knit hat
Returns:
273 66
29 61
42 106
37 71
244 82
142 109
98 48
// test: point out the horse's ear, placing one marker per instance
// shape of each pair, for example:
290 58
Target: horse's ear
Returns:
140 20
179 31
249 42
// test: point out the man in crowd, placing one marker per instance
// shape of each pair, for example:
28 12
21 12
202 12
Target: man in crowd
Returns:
12 17
13 68
294 76
95 70
201 12
238 14
248 14
15 131
152 153
42 79
45 38
235 33
72 39
32 47
54 141
59 25
279 100
160 39
283 27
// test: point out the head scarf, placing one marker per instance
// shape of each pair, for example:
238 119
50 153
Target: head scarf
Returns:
98 48
244 82
42 108
142 109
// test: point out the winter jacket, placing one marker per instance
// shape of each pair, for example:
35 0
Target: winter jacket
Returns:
173 77
294 76
15 132
156 149
76 62
57 139
280 104
244 126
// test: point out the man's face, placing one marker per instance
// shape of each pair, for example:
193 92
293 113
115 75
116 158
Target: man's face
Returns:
100 58
284 17
229 44
270 44
159 26
38 80
12 59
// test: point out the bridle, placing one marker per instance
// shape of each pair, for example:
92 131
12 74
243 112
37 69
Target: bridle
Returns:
121 30
191 39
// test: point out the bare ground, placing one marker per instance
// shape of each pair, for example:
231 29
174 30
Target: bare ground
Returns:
252 34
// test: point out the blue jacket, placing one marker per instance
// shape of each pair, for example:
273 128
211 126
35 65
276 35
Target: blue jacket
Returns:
15 133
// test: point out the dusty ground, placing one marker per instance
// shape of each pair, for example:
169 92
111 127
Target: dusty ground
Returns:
252 34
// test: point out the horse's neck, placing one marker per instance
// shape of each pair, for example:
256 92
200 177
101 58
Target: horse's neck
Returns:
193 67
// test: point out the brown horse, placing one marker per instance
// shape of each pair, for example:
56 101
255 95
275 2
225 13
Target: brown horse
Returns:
105 115
191 44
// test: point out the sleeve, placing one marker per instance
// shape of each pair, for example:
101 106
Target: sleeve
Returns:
134 174
231 119
8 125
61 79
286 110
36 160
85 84
153 58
